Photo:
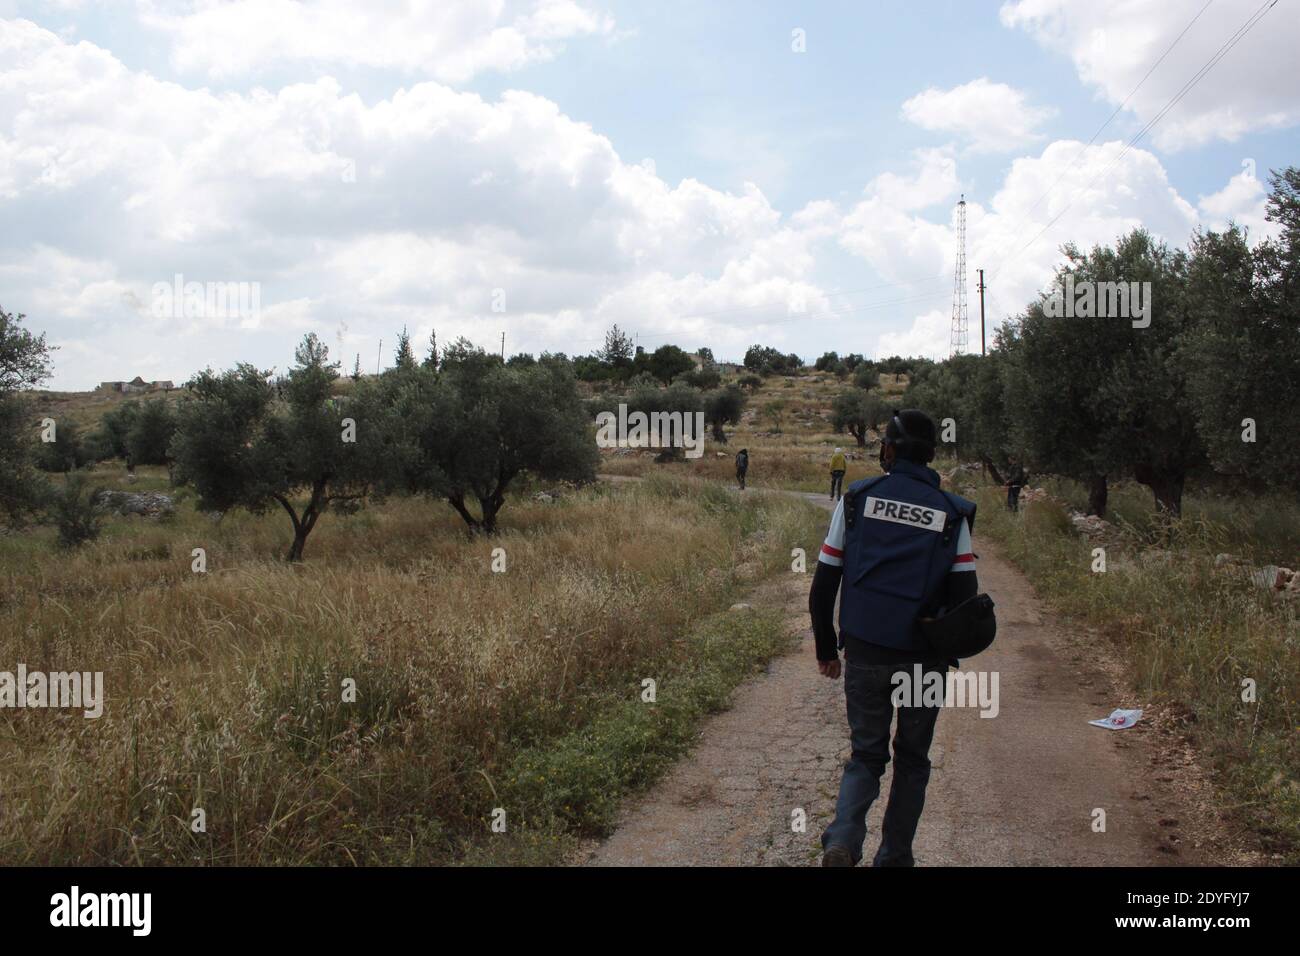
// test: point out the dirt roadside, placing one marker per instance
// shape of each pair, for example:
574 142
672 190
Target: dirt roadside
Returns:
1017 789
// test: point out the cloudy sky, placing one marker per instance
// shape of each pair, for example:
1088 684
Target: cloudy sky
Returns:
700 173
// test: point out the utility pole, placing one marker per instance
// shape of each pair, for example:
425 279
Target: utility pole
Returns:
503 346
379 356
981 291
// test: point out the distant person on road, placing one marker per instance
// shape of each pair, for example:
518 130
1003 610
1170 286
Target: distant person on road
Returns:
1016 480
838 467
898 551
742 466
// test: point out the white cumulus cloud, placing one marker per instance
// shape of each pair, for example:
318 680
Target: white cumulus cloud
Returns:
991 117
1113 43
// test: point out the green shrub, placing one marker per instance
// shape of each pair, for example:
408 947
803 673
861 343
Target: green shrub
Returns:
73 512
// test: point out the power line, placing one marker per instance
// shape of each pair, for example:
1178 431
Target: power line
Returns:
1187 87
1119 108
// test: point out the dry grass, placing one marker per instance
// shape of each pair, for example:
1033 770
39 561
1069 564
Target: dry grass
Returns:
1189 632
224 689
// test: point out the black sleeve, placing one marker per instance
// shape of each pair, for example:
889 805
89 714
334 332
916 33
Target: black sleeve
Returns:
821 606
961 586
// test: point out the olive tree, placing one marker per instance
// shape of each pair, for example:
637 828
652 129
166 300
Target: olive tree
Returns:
723 406
857 411
148 439
1244 353
243 442
1094 396
473 428
966 392
65 453
114 427
24 363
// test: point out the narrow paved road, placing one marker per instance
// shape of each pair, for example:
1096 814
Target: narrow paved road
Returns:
1017 789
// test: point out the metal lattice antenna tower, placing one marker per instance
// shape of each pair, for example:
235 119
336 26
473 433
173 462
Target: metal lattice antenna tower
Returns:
960 320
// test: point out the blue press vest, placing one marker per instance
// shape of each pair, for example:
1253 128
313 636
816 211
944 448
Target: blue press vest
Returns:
893 569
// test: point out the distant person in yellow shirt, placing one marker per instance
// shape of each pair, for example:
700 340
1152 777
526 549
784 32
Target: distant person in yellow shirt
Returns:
838 467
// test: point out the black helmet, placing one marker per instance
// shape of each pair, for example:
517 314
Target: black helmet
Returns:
963 630
912 434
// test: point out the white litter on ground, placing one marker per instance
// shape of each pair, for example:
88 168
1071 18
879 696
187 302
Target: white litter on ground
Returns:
1118 719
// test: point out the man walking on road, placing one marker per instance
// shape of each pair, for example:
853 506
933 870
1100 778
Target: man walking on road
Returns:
898 549
838 467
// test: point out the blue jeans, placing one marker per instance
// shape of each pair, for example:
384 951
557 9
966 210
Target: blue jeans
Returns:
868 691
837 483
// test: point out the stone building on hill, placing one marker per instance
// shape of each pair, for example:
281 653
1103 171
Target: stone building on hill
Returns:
136 386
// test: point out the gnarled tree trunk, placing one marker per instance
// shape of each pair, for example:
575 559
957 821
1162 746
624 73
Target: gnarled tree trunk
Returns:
457 501
992 469
489 505
1166 485
302 525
